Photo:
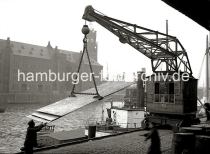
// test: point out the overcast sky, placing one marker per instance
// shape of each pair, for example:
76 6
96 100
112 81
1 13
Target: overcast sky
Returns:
60 21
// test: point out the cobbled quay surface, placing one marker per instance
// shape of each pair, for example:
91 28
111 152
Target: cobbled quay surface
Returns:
122 144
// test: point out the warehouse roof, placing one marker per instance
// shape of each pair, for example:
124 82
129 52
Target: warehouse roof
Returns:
36 51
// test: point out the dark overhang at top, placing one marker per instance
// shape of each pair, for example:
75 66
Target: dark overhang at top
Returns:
197 10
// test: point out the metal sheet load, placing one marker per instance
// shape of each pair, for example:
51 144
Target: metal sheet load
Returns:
63 107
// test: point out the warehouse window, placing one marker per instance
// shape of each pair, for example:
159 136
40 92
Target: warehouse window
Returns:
171 88
171 92
24 87
40 87
164 92
134 93
157 85
157 92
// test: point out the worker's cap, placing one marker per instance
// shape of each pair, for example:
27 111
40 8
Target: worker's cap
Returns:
31 123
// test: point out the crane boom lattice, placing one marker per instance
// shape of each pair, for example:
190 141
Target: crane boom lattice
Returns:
165 51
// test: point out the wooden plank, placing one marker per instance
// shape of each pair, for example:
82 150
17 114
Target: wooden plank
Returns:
63 107
38 119
45 116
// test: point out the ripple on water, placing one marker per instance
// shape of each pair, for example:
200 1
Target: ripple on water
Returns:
14 123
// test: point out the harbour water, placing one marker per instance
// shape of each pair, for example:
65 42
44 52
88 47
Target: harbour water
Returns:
13 122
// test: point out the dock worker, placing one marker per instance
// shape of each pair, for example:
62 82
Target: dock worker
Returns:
155 140
207 111
31 136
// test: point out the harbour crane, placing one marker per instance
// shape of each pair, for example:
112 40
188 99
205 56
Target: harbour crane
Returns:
168 102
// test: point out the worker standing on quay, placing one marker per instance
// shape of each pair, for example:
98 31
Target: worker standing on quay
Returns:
31 136
155 140
207 110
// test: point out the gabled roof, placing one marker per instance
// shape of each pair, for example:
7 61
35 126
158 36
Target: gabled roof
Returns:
31 50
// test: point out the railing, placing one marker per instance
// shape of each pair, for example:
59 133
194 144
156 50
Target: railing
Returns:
129 125
114 124
164 98
47 129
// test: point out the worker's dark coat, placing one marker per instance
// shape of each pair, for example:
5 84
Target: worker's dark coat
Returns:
31 137
155 142
207 110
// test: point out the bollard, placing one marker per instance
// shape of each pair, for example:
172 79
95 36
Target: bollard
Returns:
91 131
183 143
202 144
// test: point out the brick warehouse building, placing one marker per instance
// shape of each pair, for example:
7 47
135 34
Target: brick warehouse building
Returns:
26 58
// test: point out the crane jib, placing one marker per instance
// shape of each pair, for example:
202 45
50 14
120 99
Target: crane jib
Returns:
165 51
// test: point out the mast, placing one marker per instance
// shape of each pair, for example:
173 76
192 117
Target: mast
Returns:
102 114
107 71
167 34
207 69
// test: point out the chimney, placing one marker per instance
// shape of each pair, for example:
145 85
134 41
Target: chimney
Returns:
140 88
8 42
49 45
